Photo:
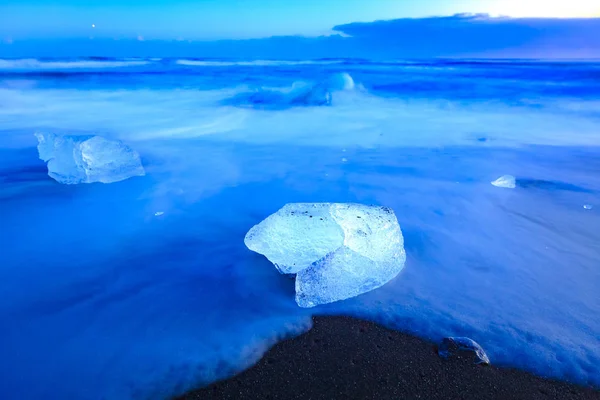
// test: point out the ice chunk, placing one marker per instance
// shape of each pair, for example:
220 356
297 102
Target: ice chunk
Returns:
300 94
588 206
307 95
341 81
296 236
337 250
87 159
506 181
455 346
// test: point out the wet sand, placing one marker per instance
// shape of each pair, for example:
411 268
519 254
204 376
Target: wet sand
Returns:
346 358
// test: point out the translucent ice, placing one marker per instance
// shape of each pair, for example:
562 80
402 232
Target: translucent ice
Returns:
342 81
87 159
455 346
337 250
505 181
308 95
299 95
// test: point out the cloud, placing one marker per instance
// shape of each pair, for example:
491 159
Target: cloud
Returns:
462 35
479 35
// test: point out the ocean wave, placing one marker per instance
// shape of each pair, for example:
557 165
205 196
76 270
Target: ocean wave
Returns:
254 63
34 64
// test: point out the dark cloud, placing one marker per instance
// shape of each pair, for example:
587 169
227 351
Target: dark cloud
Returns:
479 35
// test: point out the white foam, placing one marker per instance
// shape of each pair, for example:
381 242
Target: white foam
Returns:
256 63
355 117
33 64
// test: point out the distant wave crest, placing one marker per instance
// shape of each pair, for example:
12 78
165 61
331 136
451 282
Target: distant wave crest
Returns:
34 64
255 63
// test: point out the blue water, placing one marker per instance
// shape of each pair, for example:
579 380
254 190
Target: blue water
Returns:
102 299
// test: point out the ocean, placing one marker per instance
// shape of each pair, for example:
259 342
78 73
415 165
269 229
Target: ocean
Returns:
143 289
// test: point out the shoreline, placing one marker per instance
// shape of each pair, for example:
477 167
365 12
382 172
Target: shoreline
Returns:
347 358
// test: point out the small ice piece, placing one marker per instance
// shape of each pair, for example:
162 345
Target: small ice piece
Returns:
158 213
341 81
344 159
87 159
336 250
588 206
457 346
506 181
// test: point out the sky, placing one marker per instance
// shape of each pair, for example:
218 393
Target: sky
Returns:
242 19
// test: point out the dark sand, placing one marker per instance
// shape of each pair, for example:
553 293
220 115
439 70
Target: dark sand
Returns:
345 358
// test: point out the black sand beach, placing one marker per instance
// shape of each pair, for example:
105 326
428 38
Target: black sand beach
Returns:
345 358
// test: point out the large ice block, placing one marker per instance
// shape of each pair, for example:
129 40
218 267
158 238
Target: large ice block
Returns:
298 96
301 94
337 250
87 159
